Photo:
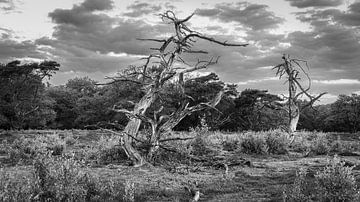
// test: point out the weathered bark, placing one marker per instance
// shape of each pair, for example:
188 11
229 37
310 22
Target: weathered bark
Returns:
133 126
294 119
294 112
159 128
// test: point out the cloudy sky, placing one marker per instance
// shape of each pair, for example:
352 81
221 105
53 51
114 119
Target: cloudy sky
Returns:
96 38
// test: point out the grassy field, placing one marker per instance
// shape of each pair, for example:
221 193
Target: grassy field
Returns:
245 166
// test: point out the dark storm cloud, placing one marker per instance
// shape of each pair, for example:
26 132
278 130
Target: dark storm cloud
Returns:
265 40
76 58
138 9
315 3
10 49
254 16
334 39
351 17
100 35
331 47
82 15
80 18
81 35
100 5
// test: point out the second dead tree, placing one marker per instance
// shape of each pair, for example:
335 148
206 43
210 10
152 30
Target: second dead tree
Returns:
292 68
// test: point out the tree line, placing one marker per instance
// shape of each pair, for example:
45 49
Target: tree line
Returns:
26 101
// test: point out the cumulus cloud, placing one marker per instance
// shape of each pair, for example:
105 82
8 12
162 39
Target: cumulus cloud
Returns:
253 16
315 3
138 9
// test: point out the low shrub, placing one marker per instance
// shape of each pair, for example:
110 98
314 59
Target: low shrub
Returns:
320 144
200 146
25 149
277 142
70 140
13 188
106 150
340 146
254 143
316 143
270 142
335 183
181 150
348 146
300 143
21 149
299 191
231 145
57 179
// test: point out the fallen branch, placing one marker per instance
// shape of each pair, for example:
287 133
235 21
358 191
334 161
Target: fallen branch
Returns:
122 134
174 139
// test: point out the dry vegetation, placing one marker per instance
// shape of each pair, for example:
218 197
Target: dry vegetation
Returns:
80 165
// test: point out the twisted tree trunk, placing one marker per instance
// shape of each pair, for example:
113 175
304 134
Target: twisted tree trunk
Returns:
293 109
162 71
133 126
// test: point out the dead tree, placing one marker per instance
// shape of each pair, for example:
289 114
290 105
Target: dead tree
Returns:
160 68
292 68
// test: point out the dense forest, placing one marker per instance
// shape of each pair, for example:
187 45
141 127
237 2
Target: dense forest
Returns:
27 101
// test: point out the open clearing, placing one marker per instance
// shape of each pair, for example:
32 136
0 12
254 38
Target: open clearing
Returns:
264 179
